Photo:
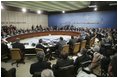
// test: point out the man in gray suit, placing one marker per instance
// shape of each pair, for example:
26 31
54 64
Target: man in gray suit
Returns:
59 45
71 43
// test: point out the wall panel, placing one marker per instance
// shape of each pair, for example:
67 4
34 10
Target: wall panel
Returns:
23 20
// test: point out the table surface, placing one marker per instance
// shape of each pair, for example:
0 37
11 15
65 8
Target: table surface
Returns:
48 37
48 41
39 34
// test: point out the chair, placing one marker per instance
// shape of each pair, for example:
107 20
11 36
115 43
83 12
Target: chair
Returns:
8 73
5 57
5 54
39 50
83 44
76 48
16 55
67 71
65 49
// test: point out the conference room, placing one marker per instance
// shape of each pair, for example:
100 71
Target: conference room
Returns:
58 38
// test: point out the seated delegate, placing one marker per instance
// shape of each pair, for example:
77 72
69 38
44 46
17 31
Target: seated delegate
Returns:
21 46
40 64
63 61
59 45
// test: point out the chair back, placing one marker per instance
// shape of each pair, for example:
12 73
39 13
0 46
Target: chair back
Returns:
65 49
76 48
83 44
39 50
15 54
67 71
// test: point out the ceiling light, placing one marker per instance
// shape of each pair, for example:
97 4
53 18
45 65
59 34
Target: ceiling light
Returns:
95 9
38 12
63 11
24 10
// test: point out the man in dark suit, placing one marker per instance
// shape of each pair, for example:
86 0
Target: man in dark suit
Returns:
60 45
87 38
40 65
82 59
5 51
21 46
39 45
64 60
9 73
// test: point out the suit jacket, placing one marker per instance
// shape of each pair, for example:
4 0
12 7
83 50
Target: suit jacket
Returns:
4 49
60 45
62 42
41 46
87 38
19 45
64 62
39 66
79 60
72 42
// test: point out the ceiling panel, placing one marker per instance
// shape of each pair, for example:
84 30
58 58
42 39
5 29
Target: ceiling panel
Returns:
49 5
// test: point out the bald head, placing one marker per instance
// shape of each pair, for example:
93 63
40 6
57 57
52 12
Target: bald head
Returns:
40 55
47 73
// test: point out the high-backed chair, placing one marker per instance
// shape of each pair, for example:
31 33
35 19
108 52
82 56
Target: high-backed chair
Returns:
83 44
76 48
39 50
8 73
4 55
16 55
65 49
67 71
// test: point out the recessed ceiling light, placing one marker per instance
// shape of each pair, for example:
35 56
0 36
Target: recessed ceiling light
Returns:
63 11
95 9
24 10
38 12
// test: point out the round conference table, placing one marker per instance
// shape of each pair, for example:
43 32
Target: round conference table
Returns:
38 34
29 48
